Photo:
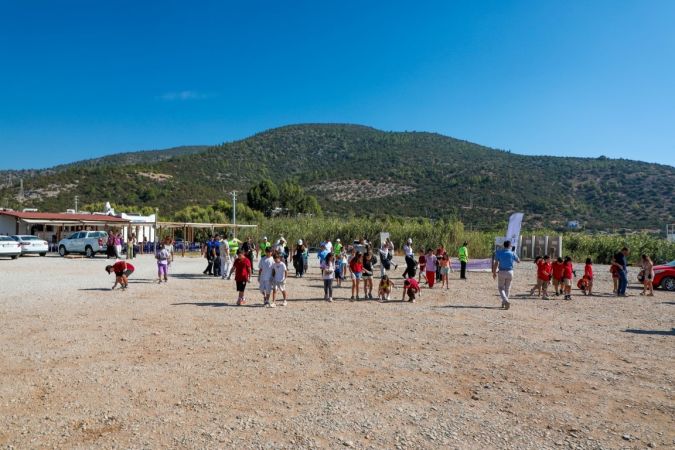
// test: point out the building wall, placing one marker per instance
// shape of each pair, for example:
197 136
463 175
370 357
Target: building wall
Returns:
7 225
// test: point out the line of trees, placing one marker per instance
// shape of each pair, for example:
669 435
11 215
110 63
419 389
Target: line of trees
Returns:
289 200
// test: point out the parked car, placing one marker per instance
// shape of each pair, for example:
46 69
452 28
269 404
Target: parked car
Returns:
664 276
32 244
9 247
88 243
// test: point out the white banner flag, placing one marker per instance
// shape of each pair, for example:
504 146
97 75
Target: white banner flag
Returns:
513 231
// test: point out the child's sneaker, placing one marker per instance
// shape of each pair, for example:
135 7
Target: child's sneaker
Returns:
284 303
330 299
272 305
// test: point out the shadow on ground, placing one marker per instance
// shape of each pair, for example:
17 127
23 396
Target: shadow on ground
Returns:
652 332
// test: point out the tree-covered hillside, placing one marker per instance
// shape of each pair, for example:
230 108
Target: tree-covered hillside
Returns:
356 170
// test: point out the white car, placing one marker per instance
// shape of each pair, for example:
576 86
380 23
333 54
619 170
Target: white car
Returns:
87 242
9 247
32 244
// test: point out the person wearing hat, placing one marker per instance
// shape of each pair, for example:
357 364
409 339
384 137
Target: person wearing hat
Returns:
410 263
299 259
264 244
337 247
463 255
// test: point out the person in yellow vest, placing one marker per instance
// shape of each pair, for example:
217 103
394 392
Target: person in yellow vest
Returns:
264 244
463 254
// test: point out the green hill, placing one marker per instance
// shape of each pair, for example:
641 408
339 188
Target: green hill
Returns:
363 171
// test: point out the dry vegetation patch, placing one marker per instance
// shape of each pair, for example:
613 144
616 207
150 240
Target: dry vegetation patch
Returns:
355 190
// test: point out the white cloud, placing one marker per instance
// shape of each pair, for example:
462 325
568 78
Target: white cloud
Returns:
183 96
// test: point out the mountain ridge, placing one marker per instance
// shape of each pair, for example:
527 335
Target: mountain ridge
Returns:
356 169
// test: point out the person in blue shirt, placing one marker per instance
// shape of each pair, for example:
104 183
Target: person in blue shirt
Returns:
215 256
323 253
502 270
207 251
622 260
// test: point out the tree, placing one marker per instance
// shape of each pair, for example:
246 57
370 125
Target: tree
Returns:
264 196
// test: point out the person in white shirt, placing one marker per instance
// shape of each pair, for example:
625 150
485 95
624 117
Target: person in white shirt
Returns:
265 277
329 246
328 274
225 257
280 274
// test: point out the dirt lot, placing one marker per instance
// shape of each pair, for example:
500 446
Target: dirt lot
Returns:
178 365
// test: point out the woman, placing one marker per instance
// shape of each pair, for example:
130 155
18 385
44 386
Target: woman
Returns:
648 270
118 245
298 259
368 262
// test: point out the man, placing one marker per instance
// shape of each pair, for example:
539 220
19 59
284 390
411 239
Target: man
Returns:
329 246
264 244
248 248
621 259
122 271
463 255
207 251
215 256
337 247
502 268
410 263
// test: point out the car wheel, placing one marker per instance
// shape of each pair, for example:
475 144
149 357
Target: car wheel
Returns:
43 254
89 252
668 284
15 256
62 250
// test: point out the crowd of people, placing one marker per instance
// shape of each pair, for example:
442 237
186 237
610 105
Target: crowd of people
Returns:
356 265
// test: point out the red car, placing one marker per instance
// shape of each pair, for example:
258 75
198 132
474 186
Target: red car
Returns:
664 276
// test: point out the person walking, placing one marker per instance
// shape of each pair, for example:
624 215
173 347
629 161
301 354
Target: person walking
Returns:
621 259
502 270
409 260
207 251
463 255
648 274
328 274
225 261
130 246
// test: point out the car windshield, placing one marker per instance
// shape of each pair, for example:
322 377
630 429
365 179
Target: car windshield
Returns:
670 264
5 238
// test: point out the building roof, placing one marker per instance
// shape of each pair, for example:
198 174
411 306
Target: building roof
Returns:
63 217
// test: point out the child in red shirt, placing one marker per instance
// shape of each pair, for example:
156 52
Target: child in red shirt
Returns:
242 274
568 275
614 270
557 271
543 276
422 263
412 288
588 275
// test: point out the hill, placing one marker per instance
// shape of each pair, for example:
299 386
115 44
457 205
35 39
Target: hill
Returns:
359 170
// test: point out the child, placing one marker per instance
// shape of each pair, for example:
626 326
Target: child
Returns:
568 276
445 270
648 269
356 268
557 269
338 268
422 263
537 286
384 289
544 269
163 256
588 275
412 288
280 272
614 270
265 276
122 271
328 273
242 274
430 272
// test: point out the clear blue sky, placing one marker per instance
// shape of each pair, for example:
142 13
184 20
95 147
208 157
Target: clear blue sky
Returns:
80 79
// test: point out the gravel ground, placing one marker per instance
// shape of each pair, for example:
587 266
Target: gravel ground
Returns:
178 365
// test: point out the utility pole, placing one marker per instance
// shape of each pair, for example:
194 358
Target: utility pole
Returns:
21 189
234 214
76 203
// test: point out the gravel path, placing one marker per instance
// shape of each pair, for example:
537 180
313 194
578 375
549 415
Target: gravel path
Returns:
178 365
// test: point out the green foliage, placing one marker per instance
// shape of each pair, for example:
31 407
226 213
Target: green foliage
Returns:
263 196
601 248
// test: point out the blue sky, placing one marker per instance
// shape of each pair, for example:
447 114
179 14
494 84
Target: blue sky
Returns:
81 79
